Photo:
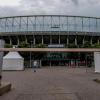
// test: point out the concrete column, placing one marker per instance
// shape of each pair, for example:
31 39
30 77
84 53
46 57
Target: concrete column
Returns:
98 41
75 41
26 39
91 41
42 40
50 39
59 39
17 41
97 61
2 43
10 42
34 41
67 41
83 41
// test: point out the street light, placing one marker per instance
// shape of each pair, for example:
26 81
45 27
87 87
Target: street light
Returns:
31 55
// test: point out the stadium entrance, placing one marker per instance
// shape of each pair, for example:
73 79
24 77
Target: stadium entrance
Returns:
66 59
54 59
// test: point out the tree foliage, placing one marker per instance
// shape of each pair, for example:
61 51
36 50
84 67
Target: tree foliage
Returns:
40 45
8 46
23 45
72 45
86 45
96 45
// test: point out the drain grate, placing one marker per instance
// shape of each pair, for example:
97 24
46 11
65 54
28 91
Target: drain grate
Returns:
51 96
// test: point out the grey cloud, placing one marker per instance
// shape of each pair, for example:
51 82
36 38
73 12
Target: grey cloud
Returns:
8 11
76 2
67 7
93 2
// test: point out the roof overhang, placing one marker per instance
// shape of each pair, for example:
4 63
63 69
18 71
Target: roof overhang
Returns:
50 49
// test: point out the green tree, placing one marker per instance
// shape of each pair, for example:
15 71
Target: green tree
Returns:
96 45
86 45
40 45
8 46
72 45
23 45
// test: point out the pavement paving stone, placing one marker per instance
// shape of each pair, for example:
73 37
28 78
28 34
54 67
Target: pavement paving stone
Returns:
52 84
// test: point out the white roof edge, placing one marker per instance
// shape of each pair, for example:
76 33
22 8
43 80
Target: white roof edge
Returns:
13 55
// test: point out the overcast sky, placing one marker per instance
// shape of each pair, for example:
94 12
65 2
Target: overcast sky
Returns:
62 7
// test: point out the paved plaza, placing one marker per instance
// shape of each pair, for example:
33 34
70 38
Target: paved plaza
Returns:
52 84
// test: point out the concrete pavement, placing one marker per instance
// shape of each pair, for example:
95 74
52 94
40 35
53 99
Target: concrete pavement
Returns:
52 84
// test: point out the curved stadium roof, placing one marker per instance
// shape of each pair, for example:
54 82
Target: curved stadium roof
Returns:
49 23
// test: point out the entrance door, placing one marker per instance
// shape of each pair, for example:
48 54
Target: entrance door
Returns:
54 63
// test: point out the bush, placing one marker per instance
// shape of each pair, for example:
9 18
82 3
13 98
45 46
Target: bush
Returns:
96 45
40 45
8 46
72 45
86 45
23 45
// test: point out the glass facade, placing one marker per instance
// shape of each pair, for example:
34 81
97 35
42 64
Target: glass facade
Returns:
46 23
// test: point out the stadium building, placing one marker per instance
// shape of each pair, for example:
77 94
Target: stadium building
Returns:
51 31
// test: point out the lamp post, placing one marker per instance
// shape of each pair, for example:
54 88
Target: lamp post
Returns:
31 55
1 58
30 59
